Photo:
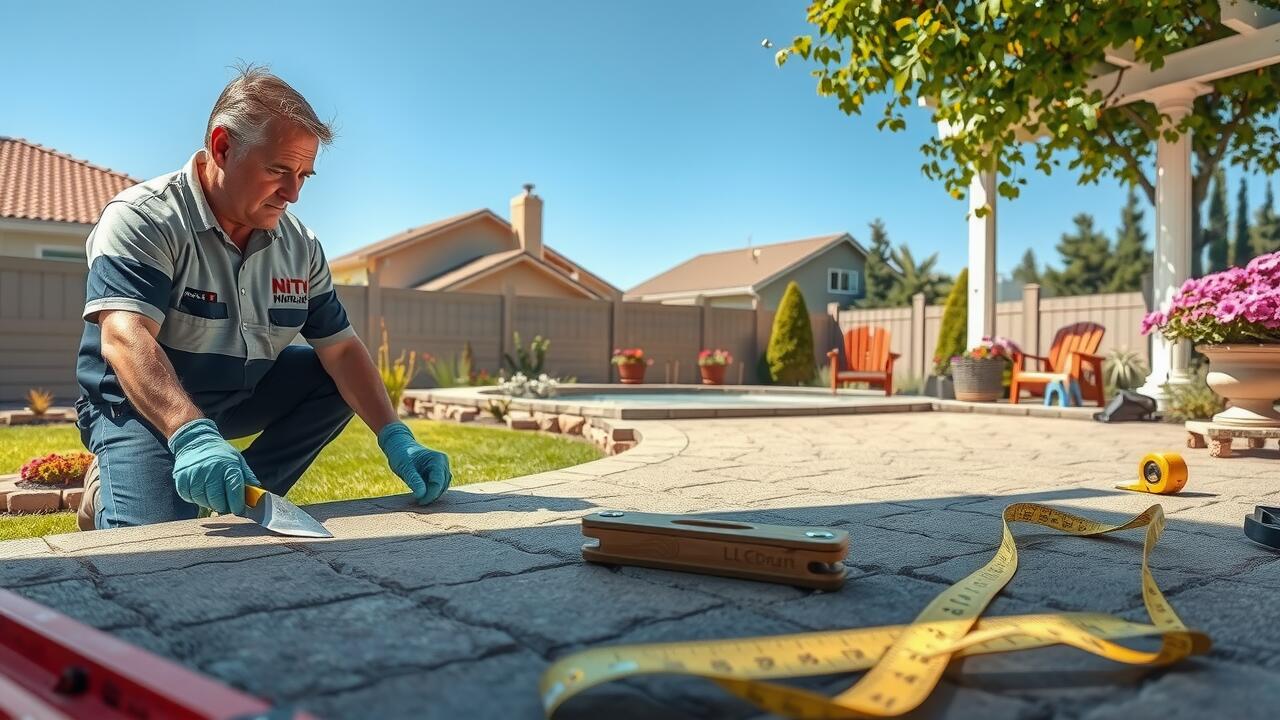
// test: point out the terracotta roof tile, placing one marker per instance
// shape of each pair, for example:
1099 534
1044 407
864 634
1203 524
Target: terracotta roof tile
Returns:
741 267
37 183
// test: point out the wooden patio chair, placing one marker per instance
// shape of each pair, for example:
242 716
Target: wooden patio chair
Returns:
1071 359
866 359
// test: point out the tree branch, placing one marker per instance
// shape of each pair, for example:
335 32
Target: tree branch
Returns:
1209 162
1140 122
1127 154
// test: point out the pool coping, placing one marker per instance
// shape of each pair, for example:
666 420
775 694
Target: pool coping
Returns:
870 402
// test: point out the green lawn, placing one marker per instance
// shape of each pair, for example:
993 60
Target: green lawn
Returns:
351 467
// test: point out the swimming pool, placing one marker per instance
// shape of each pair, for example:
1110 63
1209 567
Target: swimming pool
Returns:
652 402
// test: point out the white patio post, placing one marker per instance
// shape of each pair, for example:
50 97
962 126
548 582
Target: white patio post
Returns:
1172 256
982 256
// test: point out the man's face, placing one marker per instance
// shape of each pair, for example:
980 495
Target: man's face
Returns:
261 180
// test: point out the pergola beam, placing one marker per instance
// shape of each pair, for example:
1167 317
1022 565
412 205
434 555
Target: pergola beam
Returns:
1246 17
1194 67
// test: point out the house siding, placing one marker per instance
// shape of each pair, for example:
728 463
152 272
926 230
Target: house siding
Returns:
26 243
812 279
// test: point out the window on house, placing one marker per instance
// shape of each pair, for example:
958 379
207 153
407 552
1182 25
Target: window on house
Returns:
844 282
61 253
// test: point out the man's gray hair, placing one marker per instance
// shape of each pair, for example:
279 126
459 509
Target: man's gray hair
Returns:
254 98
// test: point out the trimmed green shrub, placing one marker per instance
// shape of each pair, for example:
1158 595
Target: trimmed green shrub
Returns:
955 325
1192 401
790 351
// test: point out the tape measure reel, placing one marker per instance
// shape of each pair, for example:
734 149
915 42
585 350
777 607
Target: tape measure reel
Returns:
904 662
1162 473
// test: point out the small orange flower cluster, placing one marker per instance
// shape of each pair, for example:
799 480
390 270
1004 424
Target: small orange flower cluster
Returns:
57 468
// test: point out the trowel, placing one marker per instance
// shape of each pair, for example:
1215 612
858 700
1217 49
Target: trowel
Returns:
279 515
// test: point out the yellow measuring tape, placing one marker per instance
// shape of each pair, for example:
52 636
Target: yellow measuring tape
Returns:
1162 473
905 662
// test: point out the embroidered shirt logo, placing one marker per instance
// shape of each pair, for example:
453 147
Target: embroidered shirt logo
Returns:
289 291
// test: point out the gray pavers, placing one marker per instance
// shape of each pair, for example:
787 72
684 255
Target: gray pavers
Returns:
454 610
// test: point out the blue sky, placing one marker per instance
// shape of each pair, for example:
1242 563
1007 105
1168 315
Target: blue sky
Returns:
654 131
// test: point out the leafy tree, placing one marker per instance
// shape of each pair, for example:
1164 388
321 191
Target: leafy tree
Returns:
916 278
1266 226
881 277
1027 271
1130 259
1240 248
955 325
790 352
994 70
1085 256
1217 229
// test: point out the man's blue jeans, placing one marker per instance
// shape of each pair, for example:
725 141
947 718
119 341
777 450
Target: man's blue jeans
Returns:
296 407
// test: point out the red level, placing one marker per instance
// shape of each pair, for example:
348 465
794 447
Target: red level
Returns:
54 667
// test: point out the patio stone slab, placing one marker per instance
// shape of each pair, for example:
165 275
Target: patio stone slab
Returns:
455 609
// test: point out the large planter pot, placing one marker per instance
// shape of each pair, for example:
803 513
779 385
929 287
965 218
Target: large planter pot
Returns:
631 373
978 380
1249 377
713 374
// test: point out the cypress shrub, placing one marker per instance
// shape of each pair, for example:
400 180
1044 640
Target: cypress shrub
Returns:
790 351
955 325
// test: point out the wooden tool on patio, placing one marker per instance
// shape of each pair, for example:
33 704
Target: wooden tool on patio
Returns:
802 556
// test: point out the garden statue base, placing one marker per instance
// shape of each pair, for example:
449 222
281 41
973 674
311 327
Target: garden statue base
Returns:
1218 437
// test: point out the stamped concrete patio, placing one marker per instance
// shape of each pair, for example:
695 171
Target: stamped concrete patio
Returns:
453 611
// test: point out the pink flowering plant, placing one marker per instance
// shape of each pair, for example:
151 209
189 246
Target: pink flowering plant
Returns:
630 356
1237 305
990 347
56 469
715 357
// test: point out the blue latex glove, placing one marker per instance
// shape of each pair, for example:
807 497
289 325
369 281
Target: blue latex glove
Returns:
424 470
207 470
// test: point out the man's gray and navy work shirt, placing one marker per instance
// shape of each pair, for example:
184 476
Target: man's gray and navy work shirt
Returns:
224 316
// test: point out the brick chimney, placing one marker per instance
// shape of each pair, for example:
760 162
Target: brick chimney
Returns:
526 220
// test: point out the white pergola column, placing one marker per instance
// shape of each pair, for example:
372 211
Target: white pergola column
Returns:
1172 256
982 256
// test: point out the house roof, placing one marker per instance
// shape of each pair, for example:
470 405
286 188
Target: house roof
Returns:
412 235
495 261
552 261
37 183
743 268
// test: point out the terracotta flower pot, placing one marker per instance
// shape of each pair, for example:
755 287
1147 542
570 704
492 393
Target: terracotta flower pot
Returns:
1249 377
631 373
978 380
713 374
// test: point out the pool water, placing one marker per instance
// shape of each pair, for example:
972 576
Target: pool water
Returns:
714 399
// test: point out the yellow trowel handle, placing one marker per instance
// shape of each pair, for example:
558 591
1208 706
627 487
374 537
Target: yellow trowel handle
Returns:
252 494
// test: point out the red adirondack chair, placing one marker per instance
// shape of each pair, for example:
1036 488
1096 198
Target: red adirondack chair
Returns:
1071 358
866 359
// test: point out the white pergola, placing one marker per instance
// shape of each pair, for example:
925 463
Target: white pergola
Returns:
1184 76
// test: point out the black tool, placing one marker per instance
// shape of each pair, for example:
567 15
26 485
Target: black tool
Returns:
1127 405
1263 526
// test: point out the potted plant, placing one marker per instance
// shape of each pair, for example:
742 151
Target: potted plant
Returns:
1233 317
713 363
978 372
631 364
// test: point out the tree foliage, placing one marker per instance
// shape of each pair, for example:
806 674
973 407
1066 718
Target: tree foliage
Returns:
916 277
996 71
1241 246
955 325
1217 230
880 274
1027 270
1129 259
790 352
1085 255
1265 234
